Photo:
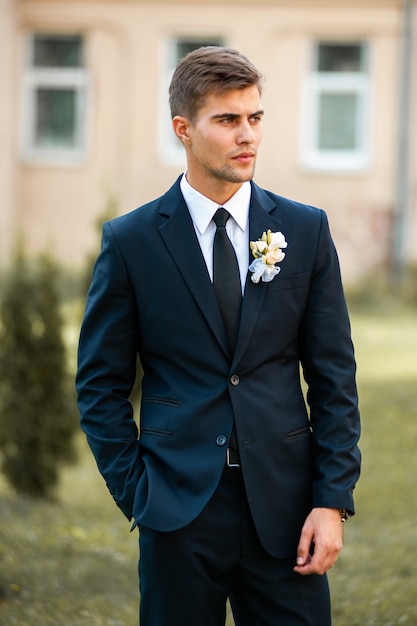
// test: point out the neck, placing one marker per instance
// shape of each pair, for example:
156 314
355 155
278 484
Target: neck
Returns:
219 191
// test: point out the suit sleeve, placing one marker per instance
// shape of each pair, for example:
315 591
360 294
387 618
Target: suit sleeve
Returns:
329 367
106 374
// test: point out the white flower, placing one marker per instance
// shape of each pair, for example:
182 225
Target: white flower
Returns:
259 245
277 240
267 252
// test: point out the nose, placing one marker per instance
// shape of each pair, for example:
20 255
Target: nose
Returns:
246 133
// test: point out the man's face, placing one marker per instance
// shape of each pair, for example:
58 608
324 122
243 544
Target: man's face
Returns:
222 142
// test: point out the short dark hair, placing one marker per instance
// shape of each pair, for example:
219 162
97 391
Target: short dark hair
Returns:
207 70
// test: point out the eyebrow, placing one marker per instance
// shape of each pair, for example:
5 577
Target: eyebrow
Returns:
235 115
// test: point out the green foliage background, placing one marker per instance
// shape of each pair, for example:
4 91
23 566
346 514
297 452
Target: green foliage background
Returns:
38 413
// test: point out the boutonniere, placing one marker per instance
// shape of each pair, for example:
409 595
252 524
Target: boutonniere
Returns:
267 252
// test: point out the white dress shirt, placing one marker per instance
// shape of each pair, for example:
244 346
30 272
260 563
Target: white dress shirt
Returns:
202 210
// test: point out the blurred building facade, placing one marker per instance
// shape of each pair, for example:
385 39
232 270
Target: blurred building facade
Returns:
84 119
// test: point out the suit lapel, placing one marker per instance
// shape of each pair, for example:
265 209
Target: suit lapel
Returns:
179 236
178 233
260 220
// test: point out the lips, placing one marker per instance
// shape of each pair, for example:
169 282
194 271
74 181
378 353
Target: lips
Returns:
244 156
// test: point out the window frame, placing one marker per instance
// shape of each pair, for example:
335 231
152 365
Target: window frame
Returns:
318 83
50 78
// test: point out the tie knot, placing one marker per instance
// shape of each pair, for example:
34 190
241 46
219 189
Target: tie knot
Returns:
220 217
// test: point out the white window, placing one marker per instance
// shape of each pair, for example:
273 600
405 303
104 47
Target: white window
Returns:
170 149
54 99
336 132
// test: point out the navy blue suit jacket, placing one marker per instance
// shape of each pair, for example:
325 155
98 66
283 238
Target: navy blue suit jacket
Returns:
151 295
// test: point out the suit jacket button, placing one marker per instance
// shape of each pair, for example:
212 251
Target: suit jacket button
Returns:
221 440
235 380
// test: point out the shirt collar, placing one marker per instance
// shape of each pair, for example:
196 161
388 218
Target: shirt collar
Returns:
202 208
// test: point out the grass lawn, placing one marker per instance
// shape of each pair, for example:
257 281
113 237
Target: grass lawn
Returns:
74 562
374 580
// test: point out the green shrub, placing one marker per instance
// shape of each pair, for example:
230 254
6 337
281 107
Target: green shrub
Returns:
37 410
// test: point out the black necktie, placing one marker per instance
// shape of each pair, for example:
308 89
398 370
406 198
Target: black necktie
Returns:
226 277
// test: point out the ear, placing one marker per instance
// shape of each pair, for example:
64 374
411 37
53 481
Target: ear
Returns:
181 127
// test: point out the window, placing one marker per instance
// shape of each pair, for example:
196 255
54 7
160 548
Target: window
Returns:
336 128
55 93
170 149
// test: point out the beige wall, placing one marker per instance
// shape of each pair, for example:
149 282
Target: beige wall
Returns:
58 205
7 148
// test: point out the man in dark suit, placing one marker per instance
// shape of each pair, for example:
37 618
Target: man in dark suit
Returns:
239 492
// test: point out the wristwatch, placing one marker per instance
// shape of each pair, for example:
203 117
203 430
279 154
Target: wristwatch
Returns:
344 514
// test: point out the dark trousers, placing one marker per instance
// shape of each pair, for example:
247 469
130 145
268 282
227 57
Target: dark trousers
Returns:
186 576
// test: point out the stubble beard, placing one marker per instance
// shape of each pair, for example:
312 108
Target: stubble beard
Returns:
231 175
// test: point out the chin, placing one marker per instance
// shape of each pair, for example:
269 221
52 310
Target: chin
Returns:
242 177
